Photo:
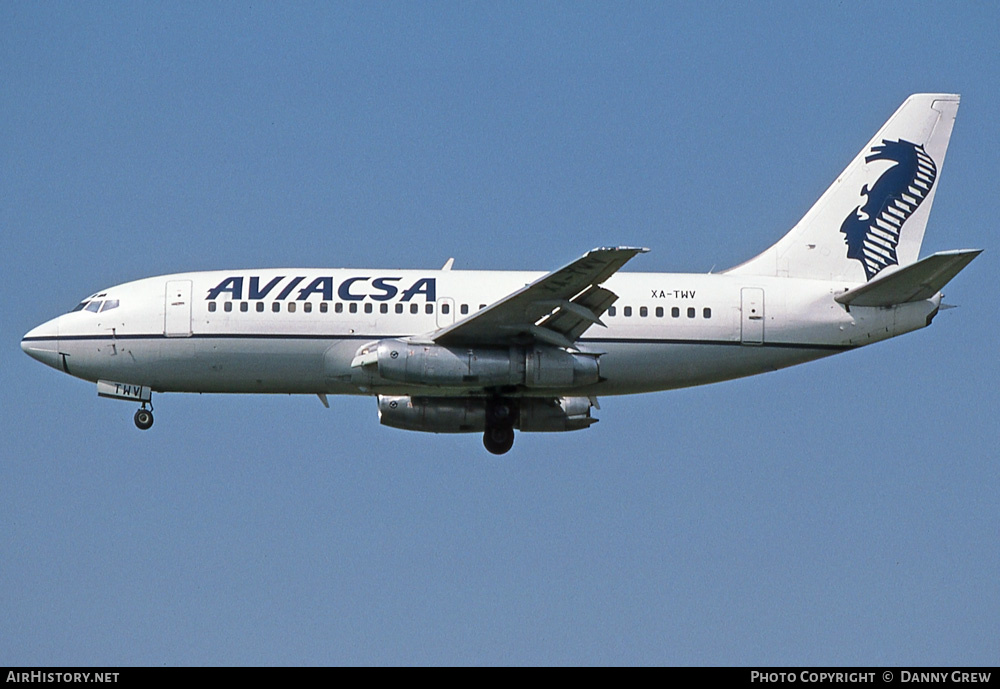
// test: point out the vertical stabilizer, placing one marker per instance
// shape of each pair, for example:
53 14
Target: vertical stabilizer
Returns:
873 217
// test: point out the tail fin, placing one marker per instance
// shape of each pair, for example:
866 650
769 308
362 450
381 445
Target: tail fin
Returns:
874 215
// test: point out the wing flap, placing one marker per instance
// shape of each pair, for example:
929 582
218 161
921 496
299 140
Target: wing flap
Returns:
572 318
915 282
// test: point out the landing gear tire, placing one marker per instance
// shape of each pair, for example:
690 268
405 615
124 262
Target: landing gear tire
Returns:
143 419
498 440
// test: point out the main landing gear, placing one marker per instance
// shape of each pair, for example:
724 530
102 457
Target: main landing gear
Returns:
498 440
144 417
498 437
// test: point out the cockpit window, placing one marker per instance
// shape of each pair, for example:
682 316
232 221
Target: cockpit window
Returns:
94 305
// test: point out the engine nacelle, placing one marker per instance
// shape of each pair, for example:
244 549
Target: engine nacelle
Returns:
433 414
479 367
547 416
468 414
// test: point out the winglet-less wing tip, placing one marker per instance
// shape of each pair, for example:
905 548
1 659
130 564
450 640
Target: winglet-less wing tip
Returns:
636 249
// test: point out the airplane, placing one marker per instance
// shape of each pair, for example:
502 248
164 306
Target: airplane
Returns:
491 352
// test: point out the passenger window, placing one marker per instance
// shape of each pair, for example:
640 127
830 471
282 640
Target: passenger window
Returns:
383 308
643 311
429 308
260 307
690 312
368 307
414 308
338 307
464 309
291 307
109 304
94 306
323 307
675 312
399 308
612 311
627 311
228 306
482 306
659 312
276 306
707 313
211 306
445 308
307 307
352 307
244 306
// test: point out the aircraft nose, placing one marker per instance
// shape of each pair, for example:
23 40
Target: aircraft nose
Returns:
42 343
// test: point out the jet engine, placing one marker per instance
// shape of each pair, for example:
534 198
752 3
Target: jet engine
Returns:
433 365
469 414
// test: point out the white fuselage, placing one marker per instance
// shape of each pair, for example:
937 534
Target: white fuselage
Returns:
268 331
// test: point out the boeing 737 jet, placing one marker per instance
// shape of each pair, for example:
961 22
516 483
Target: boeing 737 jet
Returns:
452 351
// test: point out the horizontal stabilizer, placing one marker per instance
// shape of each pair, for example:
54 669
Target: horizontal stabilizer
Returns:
915 282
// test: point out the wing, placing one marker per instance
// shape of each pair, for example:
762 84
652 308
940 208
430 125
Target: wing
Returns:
555 309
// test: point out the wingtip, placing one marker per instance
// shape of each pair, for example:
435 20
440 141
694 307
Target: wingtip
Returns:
635 249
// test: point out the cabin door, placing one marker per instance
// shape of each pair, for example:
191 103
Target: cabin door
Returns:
177 309
752 310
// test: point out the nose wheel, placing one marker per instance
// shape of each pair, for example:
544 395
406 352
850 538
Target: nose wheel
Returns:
143 418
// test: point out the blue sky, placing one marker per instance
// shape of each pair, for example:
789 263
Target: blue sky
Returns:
841 512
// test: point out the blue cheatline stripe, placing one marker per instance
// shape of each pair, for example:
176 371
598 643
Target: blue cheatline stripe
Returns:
595 341
725 343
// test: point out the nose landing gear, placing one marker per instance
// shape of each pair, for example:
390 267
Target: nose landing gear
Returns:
130 392
144 417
